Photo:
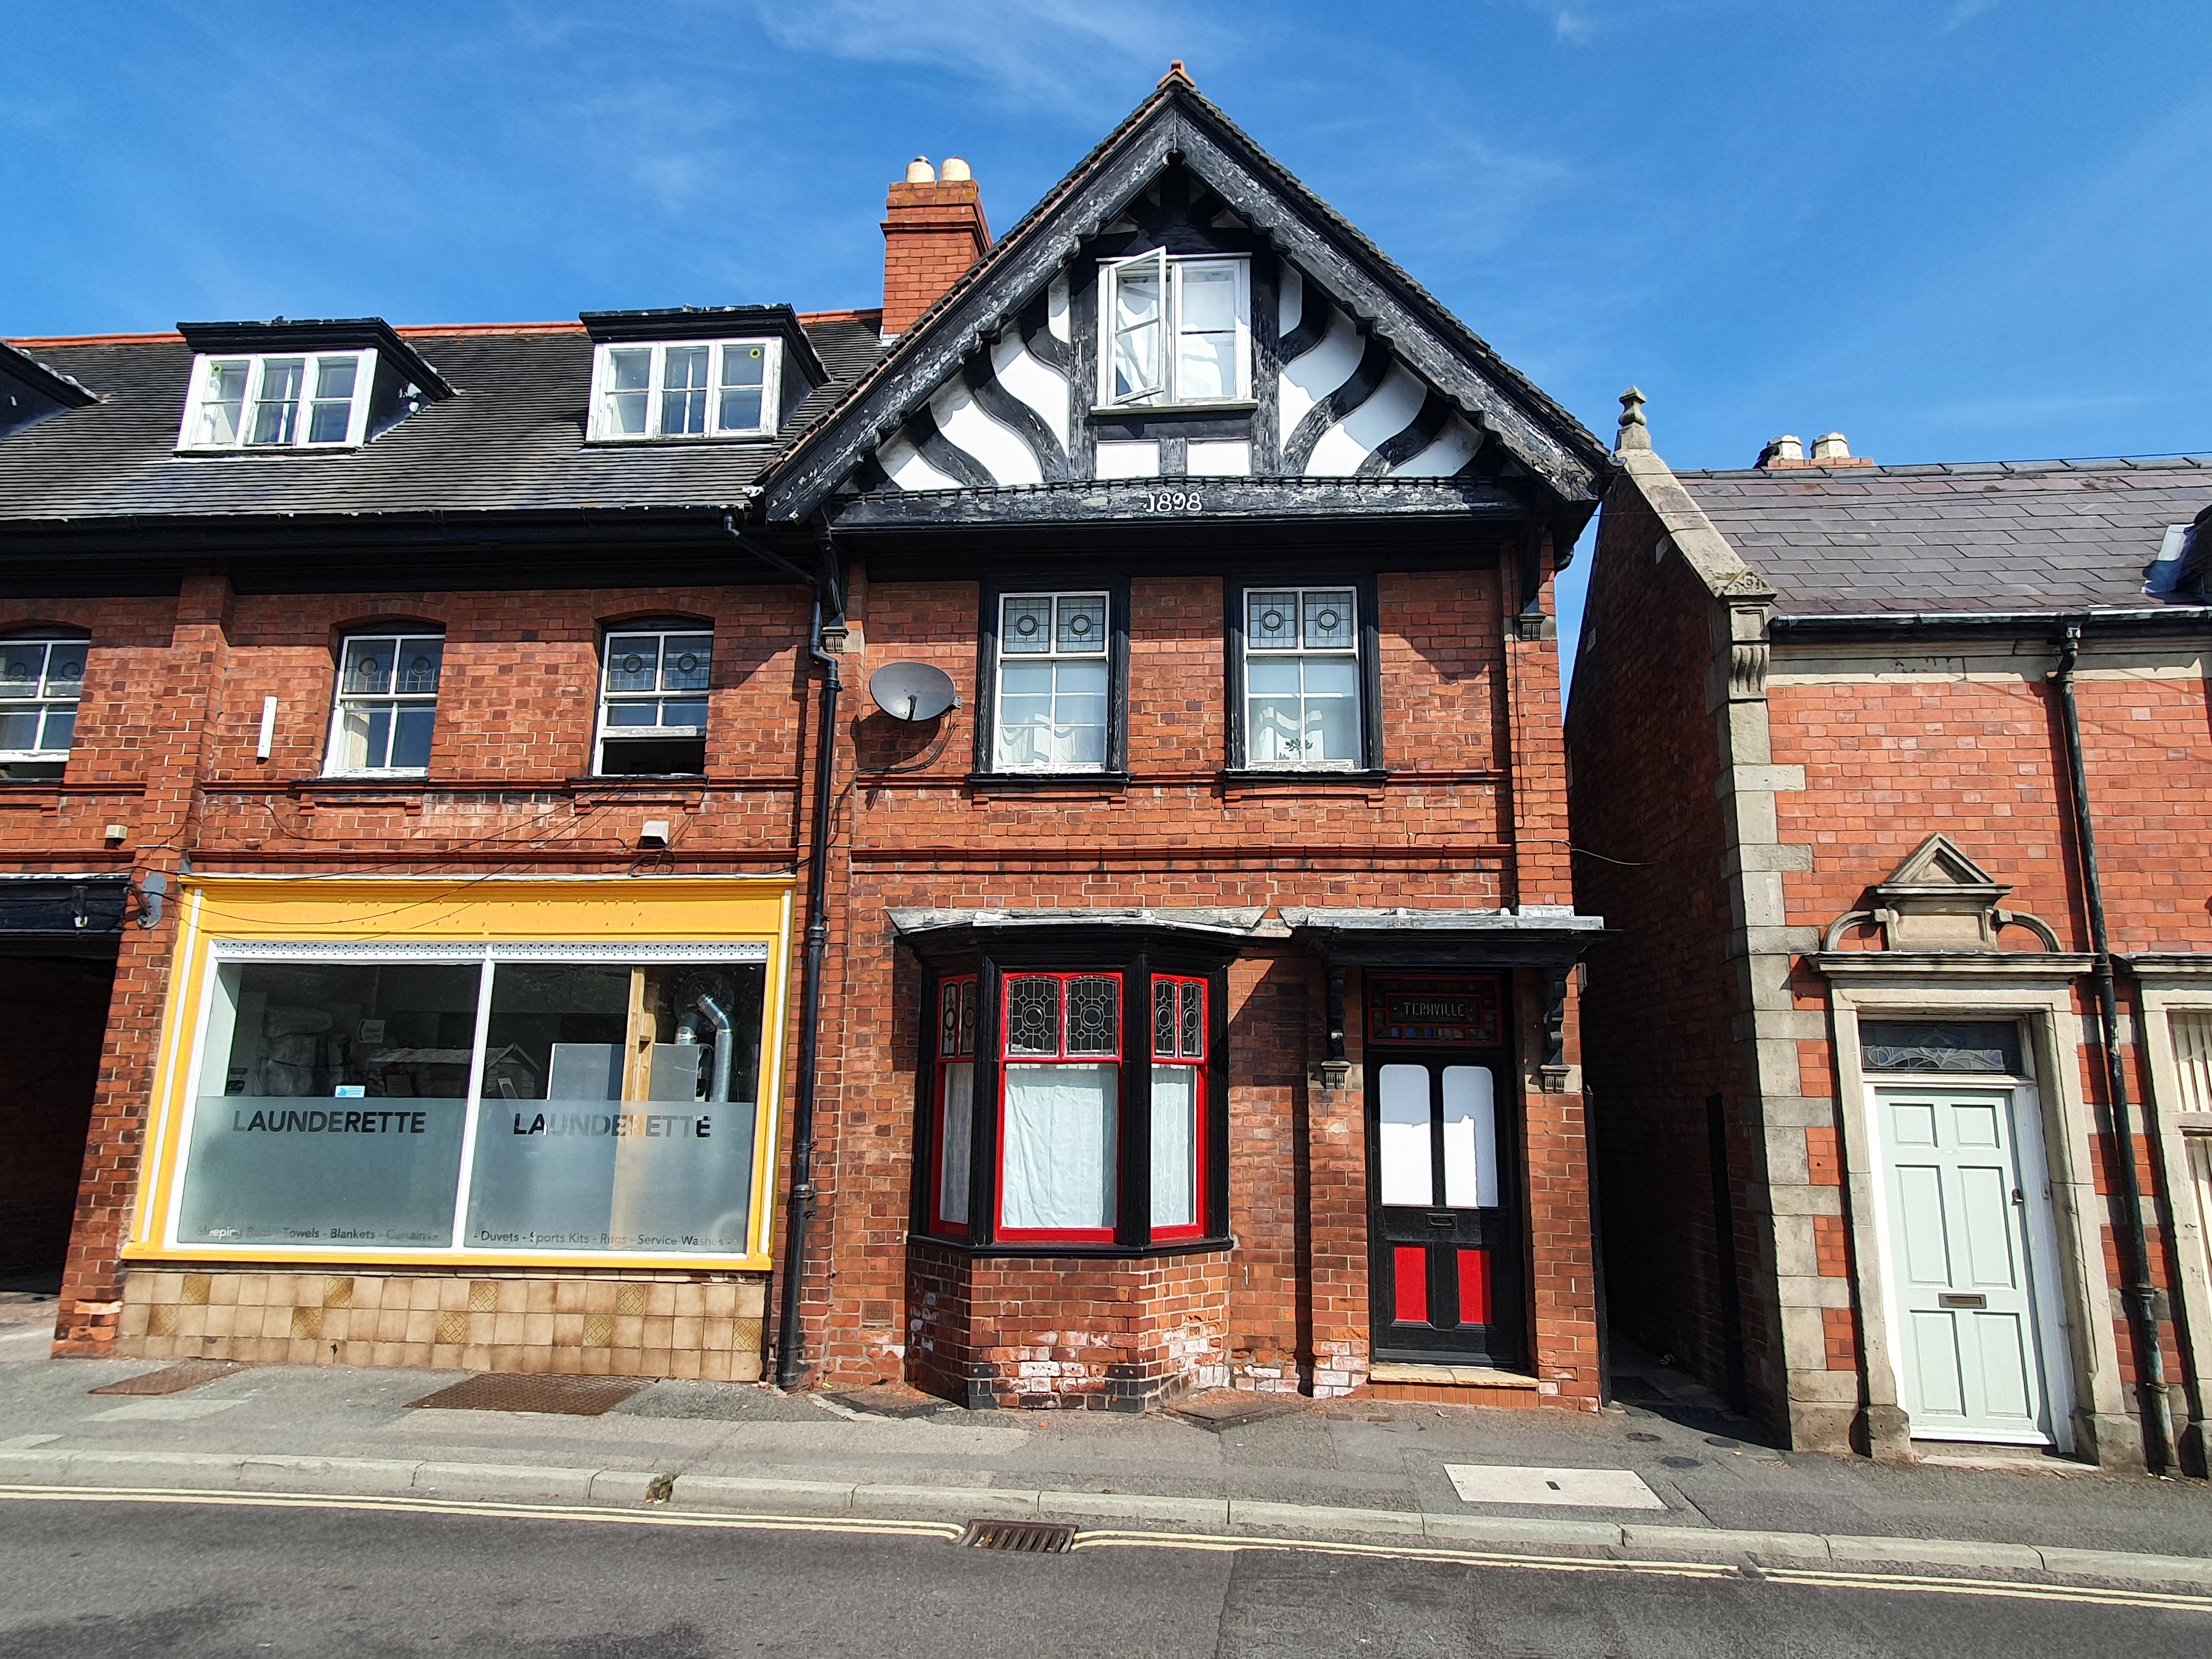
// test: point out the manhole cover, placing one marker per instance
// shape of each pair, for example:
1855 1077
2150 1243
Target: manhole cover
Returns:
1019 1537
1232 1409
1638 1434
881 1400
171 1379
572 1396
1723 1442
1680 1462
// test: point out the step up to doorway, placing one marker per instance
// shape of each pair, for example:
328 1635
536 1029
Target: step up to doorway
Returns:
1452 1385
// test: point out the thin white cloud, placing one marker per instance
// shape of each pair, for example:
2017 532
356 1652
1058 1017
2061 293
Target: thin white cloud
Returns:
1572 27
1061 53
1964 12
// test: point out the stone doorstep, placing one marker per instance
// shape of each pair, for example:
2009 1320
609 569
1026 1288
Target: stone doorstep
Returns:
1452 1376
633 1488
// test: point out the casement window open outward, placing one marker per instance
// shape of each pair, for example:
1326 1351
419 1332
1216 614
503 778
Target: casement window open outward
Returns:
1175 330
41 681
301 400
386 704
687 389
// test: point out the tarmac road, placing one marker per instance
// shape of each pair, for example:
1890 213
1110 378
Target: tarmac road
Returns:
115 1576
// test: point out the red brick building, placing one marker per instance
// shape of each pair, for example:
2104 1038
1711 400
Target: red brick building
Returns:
1017 843
1891 780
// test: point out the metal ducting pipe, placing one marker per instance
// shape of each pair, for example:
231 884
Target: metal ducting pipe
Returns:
725 1048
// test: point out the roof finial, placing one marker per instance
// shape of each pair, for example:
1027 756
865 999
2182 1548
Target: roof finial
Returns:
1177 72
1635 432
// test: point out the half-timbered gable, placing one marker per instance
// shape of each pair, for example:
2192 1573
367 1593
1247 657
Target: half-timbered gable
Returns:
1320 360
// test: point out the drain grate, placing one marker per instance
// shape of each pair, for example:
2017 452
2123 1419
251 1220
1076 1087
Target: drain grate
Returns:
1020 1537
171 1379
508 1391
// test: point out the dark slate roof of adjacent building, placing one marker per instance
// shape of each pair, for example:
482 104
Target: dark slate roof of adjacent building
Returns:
510 440
2000 535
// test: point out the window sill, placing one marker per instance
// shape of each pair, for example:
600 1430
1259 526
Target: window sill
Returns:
1295 777
1104 783
413 774
190 451
684 441
1032 1251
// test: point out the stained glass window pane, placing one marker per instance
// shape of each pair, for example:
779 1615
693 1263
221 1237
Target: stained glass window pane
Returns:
1163 1017
1094 1015
1027 623
1328 618
1937 1046
1032 1015
1082 622
1274 620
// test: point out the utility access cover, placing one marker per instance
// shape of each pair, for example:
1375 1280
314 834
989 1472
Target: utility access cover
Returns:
1587 1489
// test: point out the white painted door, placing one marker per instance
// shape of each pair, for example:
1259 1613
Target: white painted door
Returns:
1965 1318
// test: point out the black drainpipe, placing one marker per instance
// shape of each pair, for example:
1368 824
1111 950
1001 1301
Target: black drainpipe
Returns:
800 1205
2141 1296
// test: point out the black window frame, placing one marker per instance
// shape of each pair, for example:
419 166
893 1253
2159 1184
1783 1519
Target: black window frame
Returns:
993 591
1363 582
1137 962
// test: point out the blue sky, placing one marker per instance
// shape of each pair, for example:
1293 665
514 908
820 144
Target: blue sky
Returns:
1961 229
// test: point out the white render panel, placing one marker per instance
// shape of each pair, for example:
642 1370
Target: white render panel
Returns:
1455 446
1308 380
1039 384
1382 417
1055 317
1219 457
999 448
1290 298
1129 460
903 463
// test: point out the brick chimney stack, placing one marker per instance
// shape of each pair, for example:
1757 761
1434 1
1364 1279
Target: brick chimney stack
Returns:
933 230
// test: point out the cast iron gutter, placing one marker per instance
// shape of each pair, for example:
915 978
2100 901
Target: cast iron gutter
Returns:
2141 1296
800 1205
1875 624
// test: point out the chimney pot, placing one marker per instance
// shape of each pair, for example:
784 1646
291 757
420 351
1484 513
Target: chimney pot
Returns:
919 172
955 171
1831 447
1787 448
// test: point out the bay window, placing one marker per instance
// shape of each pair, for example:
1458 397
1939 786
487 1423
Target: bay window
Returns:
1071 1107
498 1098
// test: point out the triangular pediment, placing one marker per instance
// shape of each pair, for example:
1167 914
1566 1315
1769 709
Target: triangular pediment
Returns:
1937 864
1353 374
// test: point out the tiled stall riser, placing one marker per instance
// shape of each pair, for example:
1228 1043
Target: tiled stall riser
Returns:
595 1326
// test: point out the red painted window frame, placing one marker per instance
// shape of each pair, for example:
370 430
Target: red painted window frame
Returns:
952 1047
1106 1234
1199 1062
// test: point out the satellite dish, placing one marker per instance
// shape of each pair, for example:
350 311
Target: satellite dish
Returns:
913 691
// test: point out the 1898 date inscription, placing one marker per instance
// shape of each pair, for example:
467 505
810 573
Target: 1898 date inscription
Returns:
1174 501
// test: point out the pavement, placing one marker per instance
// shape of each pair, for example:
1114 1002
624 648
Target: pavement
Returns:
1684 1480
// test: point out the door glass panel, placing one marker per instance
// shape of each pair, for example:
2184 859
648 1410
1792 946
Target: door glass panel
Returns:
1474 1287
1409 1266
1470 1138
1408 1175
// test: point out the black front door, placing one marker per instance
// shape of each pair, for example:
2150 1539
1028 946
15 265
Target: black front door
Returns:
1445 1229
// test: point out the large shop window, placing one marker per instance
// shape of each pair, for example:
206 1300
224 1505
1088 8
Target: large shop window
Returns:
653 700
500 1105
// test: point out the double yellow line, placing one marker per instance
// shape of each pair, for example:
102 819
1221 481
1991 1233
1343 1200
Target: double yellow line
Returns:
951 1531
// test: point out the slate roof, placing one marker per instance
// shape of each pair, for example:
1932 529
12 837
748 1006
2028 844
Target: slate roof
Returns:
510 440
2000 535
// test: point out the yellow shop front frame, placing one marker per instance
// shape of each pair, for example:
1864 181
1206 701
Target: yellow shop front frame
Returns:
505 930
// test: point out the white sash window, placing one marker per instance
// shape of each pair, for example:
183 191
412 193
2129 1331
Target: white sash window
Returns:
303 400
685 389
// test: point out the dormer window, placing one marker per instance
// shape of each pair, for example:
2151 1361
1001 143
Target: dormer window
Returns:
294 385
1175 330
319 400
703 389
